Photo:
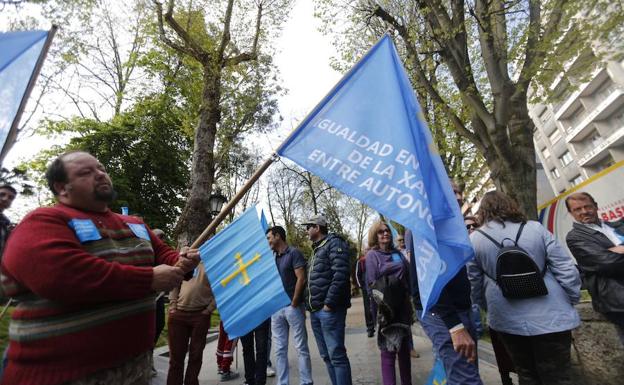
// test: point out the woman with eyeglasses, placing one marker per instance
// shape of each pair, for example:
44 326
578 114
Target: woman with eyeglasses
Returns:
387 275
471 223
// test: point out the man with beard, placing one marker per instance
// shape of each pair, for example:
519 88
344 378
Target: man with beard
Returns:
86 279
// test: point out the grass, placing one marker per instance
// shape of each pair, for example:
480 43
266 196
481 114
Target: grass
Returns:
4 328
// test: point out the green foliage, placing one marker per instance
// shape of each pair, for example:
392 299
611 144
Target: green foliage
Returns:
4 327
18 178
144 151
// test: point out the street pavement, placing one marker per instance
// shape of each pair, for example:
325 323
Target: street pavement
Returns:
362 351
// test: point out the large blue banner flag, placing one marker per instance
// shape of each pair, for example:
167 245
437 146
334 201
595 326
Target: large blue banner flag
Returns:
21 51
243 275
368 138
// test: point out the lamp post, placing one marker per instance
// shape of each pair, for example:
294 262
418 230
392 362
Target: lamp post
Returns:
216 202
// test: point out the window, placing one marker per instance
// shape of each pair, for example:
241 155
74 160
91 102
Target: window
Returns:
555 173
605 89
546 153
607 162
566 158
555 136
577 117
545 116
596 139
618 119
576 180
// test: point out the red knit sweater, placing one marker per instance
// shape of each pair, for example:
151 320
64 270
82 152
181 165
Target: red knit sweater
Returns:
83 306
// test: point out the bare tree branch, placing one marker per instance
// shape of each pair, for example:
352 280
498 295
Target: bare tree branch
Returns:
421 76
190 47
246 56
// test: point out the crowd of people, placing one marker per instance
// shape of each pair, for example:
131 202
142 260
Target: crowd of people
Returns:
88 283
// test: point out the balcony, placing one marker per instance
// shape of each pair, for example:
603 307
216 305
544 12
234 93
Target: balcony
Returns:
568 105
594 155
602 111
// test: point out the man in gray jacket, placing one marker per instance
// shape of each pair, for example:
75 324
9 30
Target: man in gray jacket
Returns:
598 247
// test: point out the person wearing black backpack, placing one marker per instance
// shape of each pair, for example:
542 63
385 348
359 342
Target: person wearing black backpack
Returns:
528 285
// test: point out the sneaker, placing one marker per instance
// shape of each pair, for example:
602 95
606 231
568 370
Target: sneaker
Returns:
270 372
229 375
219 372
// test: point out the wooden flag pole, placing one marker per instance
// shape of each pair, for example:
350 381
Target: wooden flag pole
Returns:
230 205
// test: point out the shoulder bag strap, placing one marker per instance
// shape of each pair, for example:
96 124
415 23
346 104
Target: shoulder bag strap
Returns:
518 238
490 238
520 232
497 245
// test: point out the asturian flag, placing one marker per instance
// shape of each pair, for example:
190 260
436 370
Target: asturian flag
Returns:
368 138
243 275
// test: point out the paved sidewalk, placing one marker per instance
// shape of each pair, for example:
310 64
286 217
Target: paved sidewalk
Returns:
363 354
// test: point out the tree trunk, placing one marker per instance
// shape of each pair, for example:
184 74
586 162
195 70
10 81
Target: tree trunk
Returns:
196 214
514 172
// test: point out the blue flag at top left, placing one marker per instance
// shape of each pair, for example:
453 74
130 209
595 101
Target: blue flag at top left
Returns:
243 275
21 58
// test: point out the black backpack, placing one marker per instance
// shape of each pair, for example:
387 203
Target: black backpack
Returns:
517 274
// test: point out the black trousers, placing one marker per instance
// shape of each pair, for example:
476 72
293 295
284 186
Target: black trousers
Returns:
618 320
370 325
541 360
256 359
160 317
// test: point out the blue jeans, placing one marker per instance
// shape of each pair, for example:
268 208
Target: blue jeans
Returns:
294 319
458 370
329 331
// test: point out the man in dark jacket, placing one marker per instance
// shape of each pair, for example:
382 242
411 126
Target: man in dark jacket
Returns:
327 297
448 323
598 247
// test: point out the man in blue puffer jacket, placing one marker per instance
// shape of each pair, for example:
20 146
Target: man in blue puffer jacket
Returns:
327 297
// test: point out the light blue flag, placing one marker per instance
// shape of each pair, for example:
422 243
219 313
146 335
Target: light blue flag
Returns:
263 222
368 139
20 52
243 275
437 375
393 231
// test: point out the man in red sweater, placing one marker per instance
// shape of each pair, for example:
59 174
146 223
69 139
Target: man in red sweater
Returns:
85 279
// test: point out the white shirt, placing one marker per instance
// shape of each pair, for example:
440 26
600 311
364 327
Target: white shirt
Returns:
608 231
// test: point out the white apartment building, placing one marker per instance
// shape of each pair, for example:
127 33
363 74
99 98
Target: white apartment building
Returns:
583 132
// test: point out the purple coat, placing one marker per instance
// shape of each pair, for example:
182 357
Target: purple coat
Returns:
379 263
